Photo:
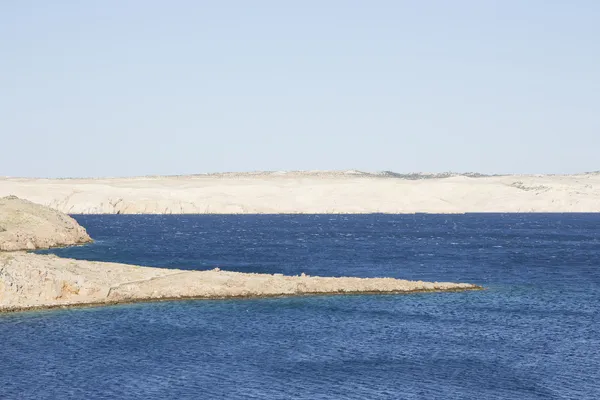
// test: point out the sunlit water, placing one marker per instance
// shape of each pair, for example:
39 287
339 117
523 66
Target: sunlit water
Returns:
533 334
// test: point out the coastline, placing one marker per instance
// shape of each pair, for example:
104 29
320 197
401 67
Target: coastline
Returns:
313 192
34 281
31 281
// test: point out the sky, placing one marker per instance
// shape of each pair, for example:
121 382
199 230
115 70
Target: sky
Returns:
132 87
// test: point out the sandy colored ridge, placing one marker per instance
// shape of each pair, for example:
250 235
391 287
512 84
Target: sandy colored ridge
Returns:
40 281
313 192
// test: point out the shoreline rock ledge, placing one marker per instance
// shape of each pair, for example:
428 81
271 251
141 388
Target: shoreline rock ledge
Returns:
31 281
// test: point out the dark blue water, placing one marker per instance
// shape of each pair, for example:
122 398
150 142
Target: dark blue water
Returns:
533 334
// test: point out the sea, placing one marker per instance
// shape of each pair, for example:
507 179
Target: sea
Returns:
533 333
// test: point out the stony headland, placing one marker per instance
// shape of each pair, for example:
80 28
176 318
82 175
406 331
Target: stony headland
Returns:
42 281
28 226
313 192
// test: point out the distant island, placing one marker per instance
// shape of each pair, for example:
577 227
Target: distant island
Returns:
314 192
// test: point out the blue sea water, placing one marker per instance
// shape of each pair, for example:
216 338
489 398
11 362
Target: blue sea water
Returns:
534 333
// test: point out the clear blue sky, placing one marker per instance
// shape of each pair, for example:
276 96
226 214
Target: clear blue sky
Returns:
127 87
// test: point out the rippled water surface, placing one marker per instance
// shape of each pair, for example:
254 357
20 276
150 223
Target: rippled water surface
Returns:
533 334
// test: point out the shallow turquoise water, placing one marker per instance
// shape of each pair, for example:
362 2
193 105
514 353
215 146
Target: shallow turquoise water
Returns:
533 334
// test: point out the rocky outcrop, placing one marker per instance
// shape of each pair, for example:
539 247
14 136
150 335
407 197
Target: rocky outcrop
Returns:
28 226
39 281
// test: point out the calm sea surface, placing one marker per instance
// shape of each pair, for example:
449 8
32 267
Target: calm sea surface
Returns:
533 334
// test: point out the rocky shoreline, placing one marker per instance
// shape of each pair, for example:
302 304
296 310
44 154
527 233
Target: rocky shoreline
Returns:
32 281
28 226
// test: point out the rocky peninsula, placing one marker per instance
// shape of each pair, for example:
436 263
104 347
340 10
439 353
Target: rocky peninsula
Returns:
29 281
316 192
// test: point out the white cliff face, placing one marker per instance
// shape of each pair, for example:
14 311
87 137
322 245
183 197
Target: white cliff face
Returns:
28 226
312 192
